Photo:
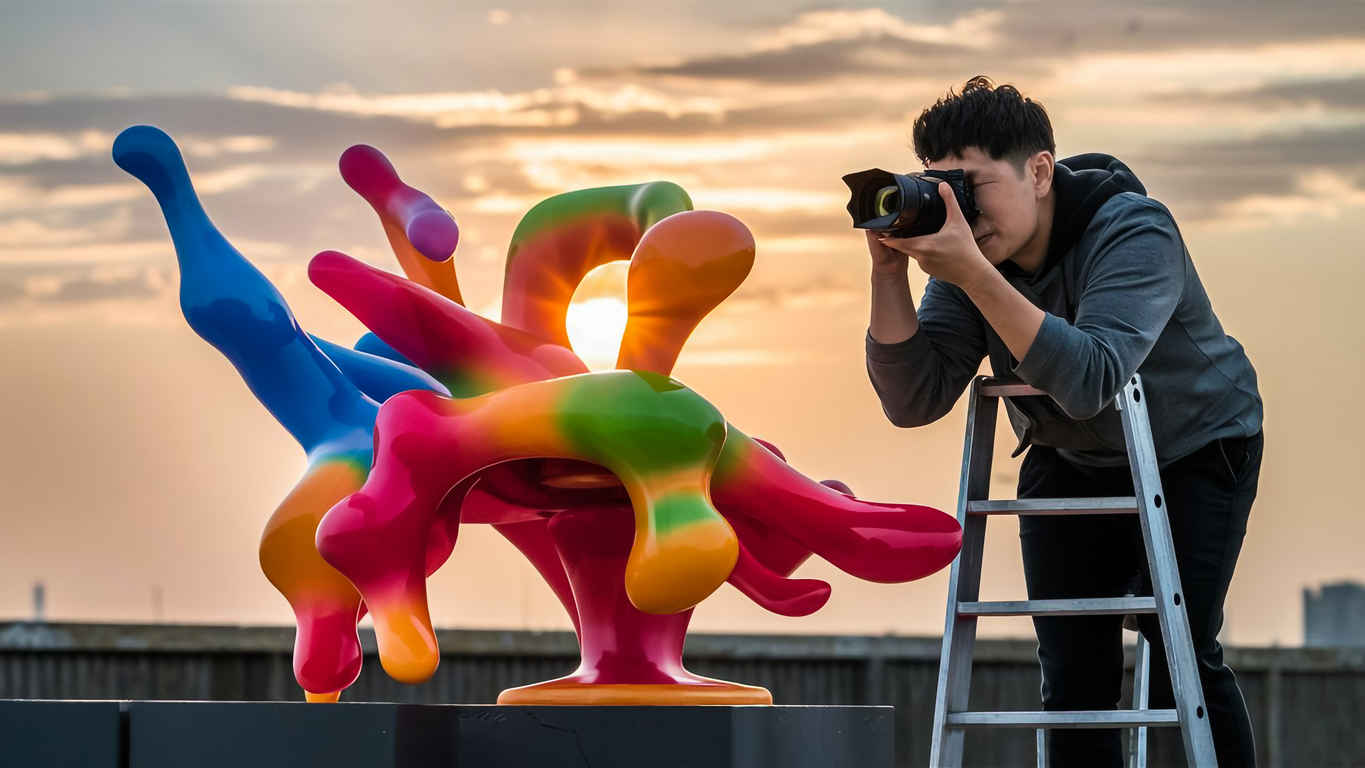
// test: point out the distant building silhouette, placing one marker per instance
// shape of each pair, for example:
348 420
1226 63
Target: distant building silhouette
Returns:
1334 615
39 602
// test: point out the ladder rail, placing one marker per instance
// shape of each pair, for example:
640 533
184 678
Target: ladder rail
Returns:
1156 536
964 581
1142 672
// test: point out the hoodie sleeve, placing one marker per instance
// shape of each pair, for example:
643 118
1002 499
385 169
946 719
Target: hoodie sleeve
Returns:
919 379
1134 282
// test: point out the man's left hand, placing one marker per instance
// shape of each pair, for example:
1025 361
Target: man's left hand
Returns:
950 254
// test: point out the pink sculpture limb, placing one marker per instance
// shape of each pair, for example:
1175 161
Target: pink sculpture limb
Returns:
874 541
772 590
468 353
767 556
423 235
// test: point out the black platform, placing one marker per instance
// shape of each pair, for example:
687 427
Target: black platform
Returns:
61 733
160 734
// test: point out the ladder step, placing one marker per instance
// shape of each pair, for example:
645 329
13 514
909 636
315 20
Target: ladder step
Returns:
1121 718
1113 505
996 387
1087 606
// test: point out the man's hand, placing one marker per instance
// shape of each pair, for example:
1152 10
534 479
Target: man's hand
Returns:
950 254
885 262
893 310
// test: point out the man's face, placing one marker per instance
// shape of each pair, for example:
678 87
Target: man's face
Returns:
1007 197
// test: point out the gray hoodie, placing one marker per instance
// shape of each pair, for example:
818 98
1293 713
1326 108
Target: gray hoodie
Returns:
1121 295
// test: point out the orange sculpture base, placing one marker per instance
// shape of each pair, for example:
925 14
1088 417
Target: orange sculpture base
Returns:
569 692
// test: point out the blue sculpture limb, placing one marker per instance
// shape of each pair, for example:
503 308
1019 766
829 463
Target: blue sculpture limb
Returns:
373 345
379 377
229 303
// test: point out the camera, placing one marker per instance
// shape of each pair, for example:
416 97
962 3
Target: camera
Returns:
905 205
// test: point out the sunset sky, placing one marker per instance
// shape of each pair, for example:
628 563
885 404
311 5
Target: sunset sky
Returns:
138 470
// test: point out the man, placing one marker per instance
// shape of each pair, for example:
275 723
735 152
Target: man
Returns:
1072 279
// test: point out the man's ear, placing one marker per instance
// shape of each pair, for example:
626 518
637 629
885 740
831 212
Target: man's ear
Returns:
1040 168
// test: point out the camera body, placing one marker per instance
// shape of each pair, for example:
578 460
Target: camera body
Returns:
906 205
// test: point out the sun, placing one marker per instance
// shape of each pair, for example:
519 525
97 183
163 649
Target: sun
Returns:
596 318
595 327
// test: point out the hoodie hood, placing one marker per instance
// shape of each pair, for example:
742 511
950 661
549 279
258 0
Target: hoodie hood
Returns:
1080 184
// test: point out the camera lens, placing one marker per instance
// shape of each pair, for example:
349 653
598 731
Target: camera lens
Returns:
907 205
888 201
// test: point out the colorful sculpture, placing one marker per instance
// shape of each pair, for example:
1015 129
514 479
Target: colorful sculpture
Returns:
630 493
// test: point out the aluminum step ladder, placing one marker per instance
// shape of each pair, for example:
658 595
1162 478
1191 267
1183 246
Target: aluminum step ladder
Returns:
974 508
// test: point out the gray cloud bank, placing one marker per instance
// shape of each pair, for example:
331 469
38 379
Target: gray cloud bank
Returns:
267 157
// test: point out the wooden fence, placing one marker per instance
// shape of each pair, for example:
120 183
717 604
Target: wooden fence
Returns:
1307 704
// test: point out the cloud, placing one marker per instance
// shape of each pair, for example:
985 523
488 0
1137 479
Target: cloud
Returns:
143 284
19 230
1221 124
1072 27
9 291
829 291
1320 193
827 44
122 252
36 147
533 109
740 357
1238 181
773 199
881 55
1213 68
1069 44
65 286
22 148
18 194
219 120
1337 93
828 227
975 29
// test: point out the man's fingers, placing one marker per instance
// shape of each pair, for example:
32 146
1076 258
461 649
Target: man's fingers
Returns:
910 246
901 244
922 244
945 191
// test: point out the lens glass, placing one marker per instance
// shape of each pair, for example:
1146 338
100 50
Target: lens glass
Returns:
888 201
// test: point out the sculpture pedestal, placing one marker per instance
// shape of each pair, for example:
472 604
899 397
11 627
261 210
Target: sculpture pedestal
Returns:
573 690
297 735
61 733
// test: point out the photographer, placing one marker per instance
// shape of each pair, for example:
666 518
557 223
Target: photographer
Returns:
1071 279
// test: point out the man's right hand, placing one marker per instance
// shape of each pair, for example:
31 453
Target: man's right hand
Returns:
885 261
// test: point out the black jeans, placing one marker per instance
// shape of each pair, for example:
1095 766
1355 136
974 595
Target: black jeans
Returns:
1209 495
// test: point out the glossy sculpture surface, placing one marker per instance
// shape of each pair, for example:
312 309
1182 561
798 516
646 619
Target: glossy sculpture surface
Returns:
631 494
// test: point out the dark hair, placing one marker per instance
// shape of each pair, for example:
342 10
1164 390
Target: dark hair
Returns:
997 120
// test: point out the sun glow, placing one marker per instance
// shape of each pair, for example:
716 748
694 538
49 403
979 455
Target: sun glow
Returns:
596 318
